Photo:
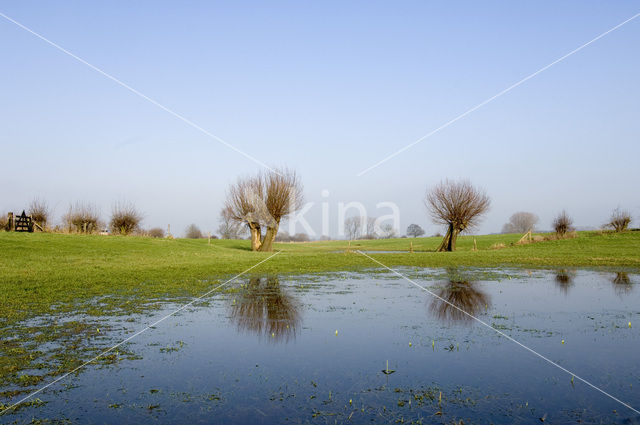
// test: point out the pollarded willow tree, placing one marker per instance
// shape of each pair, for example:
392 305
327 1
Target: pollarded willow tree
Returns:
245 205
283 196
620 220
458 205
262 201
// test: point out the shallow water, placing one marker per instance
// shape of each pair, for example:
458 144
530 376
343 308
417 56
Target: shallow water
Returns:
269 353
370 251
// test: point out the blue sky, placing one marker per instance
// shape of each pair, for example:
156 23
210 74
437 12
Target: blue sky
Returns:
327 88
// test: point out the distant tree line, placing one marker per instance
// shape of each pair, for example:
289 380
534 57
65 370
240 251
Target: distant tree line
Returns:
358 227
298 237
256 205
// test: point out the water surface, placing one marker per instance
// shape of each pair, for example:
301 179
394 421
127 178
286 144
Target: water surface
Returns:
357 348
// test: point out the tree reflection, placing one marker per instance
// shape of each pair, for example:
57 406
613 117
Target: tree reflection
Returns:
462 293
265 308
564 280
622 283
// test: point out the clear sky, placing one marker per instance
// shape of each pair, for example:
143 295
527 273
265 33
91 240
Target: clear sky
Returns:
327 88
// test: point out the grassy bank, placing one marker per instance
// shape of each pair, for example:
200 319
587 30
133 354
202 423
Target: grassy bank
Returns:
39 270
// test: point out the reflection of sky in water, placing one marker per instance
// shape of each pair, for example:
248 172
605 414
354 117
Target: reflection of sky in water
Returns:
268 353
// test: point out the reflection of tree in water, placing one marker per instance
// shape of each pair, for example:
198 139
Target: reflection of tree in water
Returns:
622 283
564 279
462 293
263 307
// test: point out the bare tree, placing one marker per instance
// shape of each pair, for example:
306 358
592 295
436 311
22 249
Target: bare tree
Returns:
388 231
82 218
263 201
415 230
300 237
619 220
4 222
193 232
370 231
458 205
125 218
283 196
156 232
353 227
40 212
521 222
230 228
562 224
245 204
283 236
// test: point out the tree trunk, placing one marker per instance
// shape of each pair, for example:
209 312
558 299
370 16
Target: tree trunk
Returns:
255 236
448 244
269 237
453 239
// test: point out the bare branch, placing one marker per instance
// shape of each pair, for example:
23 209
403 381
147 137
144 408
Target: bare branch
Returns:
283 192
125 218
263 201
619 220
40 212
459 205
82 218
193 232
562 224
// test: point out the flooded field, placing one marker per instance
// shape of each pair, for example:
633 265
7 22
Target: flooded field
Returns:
352 348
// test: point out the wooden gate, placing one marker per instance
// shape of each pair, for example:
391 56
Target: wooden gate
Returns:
23 223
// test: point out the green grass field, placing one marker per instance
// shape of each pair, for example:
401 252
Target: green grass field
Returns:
74 281
39 272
